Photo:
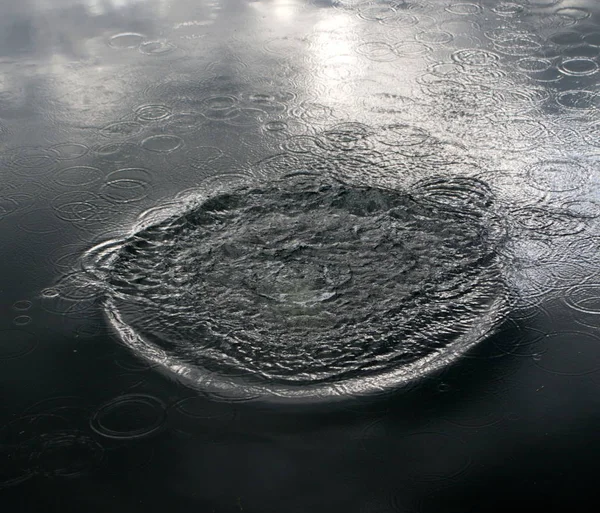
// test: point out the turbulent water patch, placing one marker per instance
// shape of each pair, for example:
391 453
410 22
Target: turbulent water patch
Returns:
308 287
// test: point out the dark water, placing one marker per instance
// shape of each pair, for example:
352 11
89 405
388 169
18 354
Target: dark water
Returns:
299 256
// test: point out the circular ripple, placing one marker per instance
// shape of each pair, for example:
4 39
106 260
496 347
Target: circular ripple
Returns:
65 454
464 9
77 176
546 222
475 57
126 185
129 416
76 206
126 40
578 99
592 39
517 45
39 222
70 151
16 343
118 152
578 66
30 160
507 9
570 353
22 320
584 298
122 129
22 305
591 134
557 175
152 112
183 122
377 12
162 143
568 38
380 51
305 287
402 135
534 64
346 137
573 13
157 48
434 37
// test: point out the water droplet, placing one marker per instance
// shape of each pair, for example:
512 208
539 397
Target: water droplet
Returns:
443 387
247 116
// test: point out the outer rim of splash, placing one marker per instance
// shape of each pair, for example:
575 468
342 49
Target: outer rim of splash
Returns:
222 388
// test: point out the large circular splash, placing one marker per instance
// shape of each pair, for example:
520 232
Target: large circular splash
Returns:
309 288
